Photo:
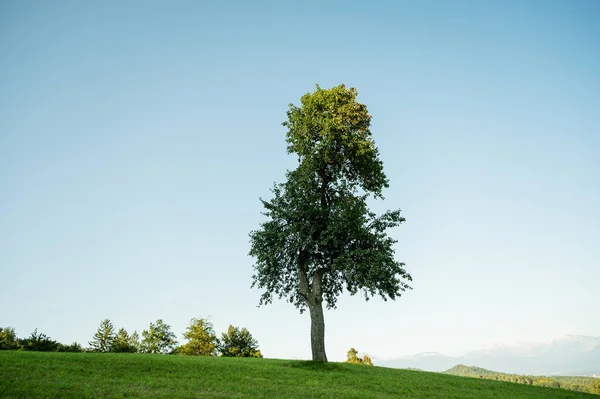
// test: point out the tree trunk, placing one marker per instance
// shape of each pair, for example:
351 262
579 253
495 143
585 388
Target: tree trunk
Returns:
313 297
317 331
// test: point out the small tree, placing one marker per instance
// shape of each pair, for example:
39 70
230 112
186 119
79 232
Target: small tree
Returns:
8 339
202 340
158 338
123 343
238 343
104 337
353 358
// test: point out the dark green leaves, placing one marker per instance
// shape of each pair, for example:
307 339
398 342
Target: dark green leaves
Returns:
330 134
238 343
319 223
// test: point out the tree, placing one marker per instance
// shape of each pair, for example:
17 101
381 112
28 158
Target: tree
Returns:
8 339
39 342
103 338
238 343
352 357
124 343
158 338
202 340
320 236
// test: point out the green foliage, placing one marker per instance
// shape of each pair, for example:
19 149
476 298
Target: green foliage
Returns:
158 338
320 236
134 341
117 375
238 343
35 342
39 342
103 338
74 347
330 134
581 384
202 339
8 339
595 387
352 358
124 343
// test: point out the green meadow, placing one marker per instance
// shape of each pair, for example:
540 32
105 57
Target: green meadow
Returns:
106 375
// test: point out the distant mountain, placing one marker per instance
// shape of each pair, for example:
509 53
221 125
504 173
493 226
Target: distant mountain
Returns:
429 361
568 355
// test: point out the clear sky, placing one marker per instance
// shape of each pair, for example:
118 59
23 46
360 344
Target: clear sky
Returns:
136 138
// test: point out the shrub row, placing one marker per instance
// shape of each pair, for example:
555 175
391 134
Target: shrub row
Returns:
201 340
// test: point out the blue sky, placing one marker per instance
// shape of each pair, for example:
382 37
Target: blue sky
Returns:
136 138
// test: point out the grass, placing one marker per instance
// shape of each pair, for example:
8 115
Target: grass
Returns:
95 375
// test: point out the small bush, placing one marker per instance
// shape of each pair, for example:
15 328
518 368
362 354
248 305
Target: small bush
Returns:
354 359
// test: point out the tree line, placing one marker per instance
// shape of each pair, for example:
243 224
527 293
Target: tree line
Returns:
200 336
35 342
575 383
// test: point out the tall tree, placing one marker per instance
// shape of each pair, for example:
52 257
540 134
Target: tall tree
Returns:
202 340
238 343
158 338
104 337
320 236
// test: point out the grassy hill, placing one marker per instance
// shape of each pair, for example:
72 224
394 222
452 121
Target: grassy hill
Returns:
581 384
94 375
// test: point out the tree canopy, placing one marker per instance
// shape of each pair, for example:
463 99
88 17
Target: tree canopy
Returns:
158 338
202 340
238 343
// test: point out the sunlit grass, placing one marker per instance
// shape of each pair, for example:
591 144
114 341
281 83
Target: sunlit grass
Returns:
93 375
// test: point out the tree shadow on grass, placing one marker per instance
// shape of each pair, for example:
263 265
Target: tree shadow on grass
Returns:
314 366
